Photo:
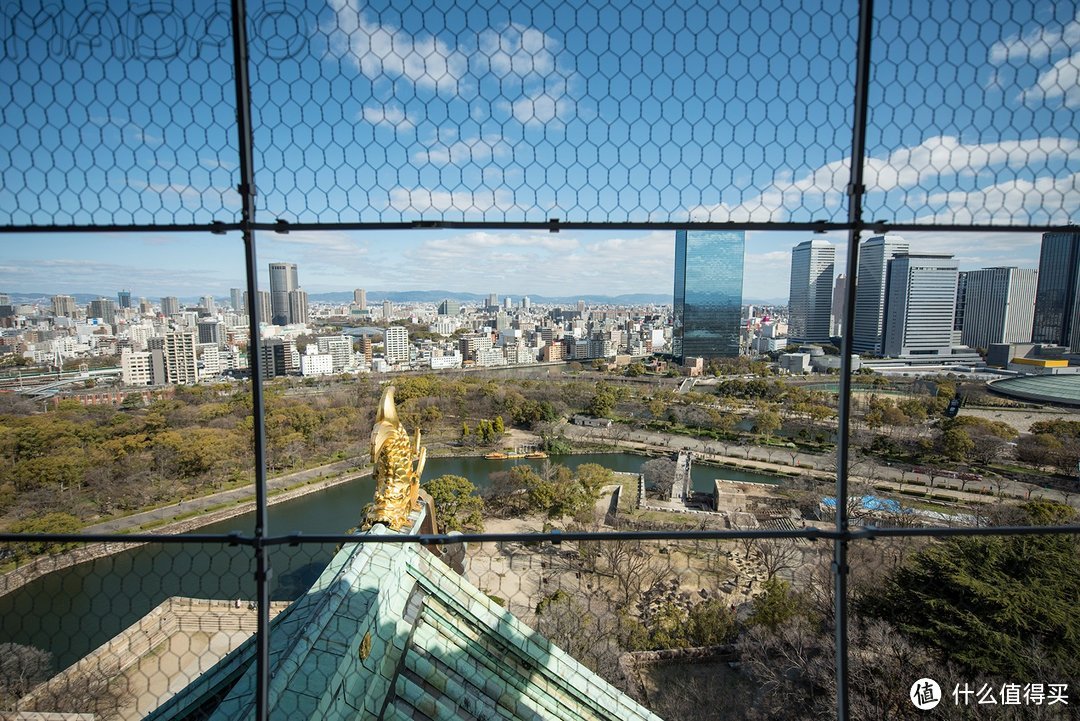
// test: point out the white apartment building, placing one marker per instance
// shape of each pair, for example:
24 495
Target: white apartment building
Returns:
396 339
340 349
920 305
181 363
316 364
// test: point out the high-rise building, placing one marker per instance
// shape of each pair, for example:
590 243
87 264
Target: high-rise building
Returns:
142 368
493 300
813 263
181 363
1057 304
961 301
283 278
236 299
359 297
208 302
338 347
274 358
397 344
839 298
145 308
123 299
170 306
581 307
210 331
1000 306
870 284
63 305
387 310
103 308
708 293
265 306
508 303
526 304
920 305
298 306
366 348
449 307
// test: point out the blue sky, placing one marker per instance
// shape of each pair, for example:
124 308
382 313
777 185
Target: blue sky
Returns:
665 111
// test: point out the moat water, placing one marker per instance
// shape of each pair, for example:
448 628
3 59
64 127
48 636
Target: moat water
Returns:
74 610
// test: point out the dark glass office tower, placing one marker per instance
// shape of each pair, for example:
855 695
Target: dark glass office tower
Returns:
708 293
1056 297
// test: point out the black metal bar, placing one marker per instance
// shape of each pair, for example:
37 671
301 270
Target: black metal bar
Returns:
856 189
811 533
245 151
877 226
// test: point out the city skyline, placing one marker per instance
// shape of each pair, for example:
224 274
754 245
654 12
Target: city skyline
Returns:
535 264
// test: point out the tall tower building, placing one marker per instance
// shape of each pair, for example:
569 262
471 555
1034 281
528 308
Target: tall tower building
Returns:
1000 306
123 299
359 297
208 302
708 293
170 306
63 305
283 279
181 363
397 344
870 284
387 310
449 307
102 308
920 305
265 307
813 263
1056 299
298 306
839 295
493 300
236 299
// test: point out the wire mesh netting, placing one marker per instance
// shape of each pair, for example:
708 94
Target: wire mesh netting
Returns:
119 116
522 113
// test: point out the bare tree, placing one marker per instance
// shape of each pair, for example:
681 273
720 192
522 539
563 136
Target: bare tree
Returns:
21 668
777 554
630 564
660 475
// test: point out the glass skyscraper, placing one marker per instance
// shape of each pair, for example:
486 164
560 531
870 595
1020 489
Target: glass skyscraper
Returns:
708 293
1056 305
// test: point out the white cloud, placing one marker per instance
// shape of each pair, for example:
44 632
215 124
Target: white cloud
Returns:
1036 45
470 150
431 62
916 167
465 202
1041 201
1062 80
393 115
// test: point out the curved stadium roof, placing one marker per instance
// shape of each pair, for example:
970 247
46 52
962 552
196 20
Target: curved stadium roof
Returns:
1064 389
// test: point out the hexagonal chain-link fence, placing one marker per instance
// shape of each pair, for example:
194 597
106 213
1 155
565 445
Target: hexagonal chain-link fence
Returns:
347 115
510 113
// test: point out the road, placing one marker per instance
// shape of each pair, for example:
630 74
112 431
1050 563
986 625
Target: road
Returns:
770 459
200 505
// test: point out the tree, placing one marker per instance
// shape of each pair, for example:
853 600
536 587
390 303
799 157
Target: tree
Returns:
766 422
602 403
775 605
21 669
777 554
659 475
994 604
956 444
457 507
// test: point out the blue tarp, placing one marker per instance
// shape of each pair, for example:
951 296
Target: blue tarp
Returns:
872 503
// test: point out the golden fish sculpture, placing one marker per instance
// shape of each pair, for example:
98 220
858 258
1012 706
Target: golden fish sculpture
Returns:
398 461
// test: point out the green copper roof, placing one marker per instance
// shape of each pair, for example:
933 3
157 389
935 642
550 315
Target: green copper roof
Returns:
388 631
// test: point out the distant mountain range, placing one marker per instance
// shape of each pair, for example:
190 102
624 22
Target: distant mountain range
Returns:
419 296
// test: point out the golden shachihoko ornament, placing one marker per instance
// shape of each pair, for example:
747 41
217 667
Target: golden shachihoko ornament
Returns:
398 461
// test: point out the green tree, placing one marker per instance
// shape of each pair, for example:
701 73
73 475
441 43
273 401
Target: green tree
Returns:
457 507
775 605
602 403
995 604
956 444
767 422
